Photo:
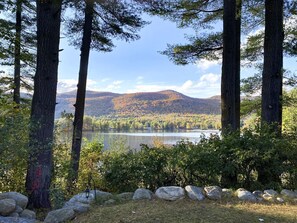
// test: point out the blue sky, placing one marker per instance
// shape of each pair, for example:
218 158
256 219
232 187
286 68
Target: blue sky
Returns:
139 67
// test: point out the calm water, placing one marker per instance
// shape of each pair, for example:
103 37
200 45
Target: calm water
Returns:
134 139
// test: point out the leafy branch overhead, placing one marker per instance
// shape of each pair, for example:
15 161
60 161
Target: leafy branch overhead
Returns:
112 19
208 47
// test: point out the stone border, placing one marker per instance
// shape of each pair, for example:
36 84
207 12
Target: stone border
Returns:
13 204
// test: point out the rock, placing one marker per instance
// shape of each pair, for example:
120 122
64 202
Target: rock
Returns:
170 193
16 220
110 201
28 214
14 214
258 194
100 195
125 196
18 209
213 192
246 195
21 200
227 192
271 192
7 207
77 207
289 193
142 193
60 215
195 193
268 197
279 199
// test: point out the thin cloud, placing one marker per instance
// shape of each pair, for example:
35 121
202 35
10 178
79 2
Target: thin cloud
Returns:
205 64
66 85
115 85
139 80
210 77
208 85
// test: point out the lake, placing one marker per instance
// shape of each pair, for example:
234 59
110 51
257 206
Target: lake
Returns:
134 139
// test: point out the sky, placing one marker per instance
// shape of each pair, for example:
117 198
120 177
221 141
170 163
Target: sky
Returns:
139 67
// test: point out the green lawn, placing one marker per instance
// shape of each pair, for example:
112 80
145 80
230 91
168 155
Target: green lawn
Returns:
159 211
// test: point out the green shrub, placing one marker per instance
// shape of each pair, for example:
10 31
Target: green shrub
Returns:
14 122
245 155
88 174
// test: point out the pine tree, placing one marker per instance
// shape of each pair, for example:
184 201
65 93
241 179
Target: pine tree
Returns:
39 170
103 21
18 43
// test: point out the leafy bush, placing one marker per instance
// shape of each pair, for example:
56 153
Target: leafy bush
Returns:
14 122
249 156
88 174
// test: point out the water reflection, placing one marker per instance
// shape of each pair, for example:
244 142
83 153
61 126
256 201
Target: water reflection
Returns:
133 140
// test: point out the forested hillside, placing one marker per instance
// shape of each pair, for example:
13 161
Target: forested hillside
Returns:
163 102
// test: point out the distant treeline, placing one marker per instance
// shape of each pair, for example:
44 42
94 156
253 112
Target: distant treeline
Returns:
154 122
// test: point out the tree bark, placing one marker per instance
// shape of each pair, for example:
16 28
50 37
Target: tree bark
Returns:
39 170
230 84
272 79
80 96
17 53
273 64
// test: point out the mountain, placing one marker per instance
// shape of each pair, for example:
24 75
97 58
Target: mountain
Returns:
136 104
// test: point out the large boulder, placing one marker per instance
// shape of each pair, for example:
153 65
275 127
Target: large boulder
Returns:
195 193
7 207
245 195
16 220
21 200
142 194
213 192
60 215
170 193
289 193
82 198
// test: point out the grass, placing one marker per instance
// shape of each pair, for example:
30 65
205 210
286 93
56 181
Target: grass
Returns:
187 211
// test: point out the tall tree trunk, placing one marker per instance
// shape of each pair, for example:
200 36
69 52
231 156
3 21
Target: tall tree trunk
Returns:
273 64
272 79
81 94
39 170
230 85
17 53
